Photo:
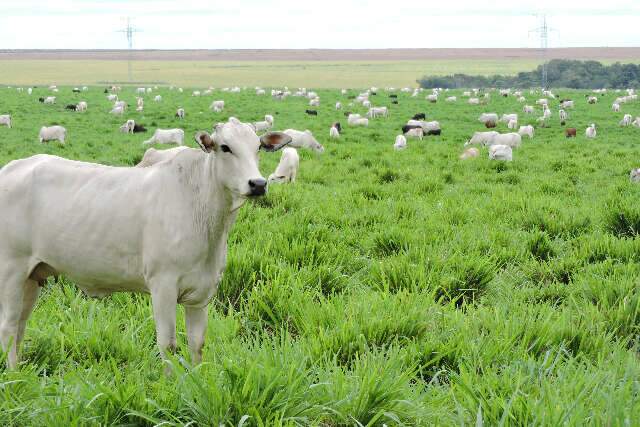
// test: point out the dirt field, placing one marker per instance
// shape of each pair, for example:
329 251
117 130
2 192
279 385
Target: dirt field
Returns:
317 68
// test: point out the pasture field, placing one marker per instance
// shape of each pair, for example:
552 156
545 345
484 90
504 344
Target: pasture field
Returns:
383 287
320 74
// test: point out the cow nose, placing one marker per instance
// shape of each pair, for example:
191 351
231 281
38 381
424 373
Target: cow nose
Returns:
258 186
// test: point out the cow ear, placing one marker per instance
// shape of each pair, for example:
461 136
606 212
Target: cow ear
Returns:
204 140
273 141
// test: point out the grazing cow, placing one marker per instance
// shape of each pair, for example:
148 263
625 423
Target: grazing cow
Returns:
170 243
500 152
626 120
311 112
433 98
400 143
314 102
5 120
180 113
52 133
304 139
287 169
506 118
337 125
334 133
157 98
378 112
417 132
570 132
82 106
636 122
615 107
217 106
528 109
474 101
419 116
481 138
128 127
71 107
166 136
634 176
112 98
75 90
393 96
138 128
119 110
566 103
513 124
50 100
526 130
451 99
488 117
29 91
470 153
262 126
511 139
407 128
338 105
590 132
592 99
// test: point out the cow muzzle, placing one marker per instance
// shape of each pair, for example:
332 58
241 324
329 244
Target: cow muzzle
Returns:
257 187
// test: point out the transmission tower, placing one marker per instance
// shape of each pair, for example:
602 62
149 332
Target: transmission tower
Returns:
129 30
543 30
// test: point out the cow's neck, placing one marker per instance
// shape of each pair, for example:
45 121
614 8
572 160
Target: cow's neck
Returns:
220 207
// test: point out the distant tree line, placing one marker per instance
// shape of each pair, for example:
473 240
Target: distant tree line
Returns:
560 73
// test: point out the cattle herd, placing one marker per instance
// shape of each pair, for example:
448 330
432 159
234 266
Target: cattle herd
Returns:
171 243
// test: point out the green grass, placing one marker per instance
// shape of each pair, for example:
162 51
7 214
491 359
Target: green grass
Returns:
383 287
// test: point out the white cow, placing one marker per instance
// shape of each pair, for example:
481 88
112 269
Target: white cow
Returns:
592 99
451 99
153 156
563 115
513 124
636 122
526 130
287 168
528 109
168 240
50 100
338 106
377 112
158 98
29 91
591 131
217 106
141 90
634 176
488 117
470 153
112 97
511 139
166 136
180 113
474 101
5 120
52 133
315 102
194 93
128 126
117 110
82 106
567 104
482 138
506 118
626 120
500 152
400 143
415 133
334 133
304 139
615 107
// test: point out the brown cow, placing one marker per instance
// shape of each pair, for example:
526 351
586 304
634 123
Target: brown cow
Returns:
490 124
570 132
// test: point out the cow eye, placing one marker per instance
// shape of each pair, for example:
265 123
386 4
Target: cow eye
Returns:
225 149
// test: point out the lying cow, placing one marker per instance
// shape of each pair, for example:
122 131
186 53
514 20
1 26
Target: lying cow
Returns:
168 240
500 152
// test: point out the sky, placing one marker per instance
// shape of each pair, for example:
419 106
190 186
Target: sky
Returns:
299 24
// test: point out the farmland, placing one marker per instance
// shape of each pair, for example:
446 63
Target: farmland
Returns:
382 287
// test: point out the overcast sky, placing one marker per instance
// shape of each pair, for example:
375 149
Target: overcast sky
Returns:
207 24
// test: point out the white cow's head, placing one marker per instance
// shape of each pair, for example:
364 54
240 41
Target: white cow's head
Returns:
235 146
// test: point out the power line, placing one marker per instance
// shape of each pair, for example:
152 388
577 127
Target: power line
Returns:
543 30
129 30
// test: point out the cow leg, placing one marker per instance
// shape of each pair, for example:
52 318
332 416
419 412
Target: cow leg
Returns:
31 292
11 302
165 301
196 319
